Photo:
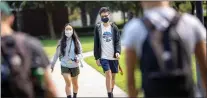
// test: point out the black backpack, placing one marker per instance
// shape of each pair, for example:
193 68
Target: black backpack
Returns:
18 78
165 61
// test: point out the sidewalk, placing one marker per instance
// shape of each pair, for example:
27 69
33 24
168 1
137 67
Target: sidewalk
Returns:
91 82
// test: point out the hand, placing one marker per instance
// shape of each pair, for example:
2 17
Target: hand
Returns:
98 62
81 65
77 61
117 55
133 93
121 71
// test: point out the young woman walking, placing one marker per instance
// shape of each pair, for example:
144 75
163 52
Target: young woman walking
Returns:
69 52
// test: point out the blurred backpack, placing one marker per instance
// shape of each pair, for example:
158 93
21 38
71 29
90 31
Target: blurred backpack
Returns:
165 60
18 78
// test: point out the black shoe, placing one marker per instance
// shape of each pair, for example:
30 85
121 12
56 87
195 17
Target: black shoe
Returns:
69 96
74 95
110 95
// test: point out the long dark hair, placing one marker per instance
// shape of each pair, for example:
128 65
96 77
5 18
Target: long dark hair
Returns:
64 39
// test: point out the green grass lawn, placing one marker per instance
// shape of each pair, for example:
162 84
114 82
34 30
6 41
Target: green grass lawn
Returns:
87 43
121 80
50 45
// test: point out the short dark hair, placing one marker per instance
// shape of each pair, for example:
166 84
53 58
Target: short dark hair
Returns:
104 9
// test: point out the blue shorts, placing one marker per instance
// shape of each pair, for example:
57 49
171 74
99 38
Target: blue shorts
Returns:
109 65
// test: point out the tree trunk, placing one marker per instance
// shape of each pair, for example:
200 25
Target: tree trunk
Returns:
50 24
137 9
93 15
124 17
199 11
19 20
193 7
123 11
83 13
177 6
142 11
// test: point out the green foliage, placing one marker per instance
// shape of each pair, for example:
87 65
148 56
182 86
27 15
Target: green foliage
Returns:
185 7
182 6
37 4
75 15
120 22
204 5
205 8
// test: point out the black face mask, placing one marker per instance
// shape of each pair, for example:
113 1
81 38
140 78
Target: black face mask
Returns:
105 19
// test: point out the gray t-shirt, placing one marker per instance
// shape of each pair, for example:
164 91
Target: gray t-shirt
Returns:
107 46
189 28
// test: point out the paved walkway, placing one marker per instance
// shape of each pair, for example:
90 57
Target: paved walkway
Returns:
91 82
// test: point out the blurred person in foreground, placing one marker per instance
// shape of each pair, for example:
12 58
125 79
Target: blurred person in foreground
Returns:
163 42
107 48
69 51
25 70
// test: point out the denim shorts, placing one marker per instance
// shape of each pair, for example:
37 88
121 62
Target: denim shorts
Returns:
109 65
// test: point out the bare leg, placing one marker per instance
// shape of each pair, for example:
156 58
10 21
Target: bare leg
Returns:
108 80
75 84
113 80
67 79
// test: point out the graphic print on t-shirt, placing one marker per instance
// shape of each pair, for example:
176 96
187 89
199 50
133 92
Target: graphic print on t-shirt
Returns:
107 36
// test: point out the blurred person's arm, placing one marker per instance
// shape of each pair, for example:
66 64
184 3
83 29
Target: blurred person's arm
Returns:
200 50
41 60
131 60
132 41
50 85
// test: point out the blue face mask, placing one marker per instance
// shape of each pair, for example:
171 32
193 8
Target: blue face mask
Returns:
105 19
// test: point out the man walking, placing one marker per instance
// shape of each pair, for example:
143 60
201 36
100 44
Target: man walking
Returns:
25 70
107 48
163 41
